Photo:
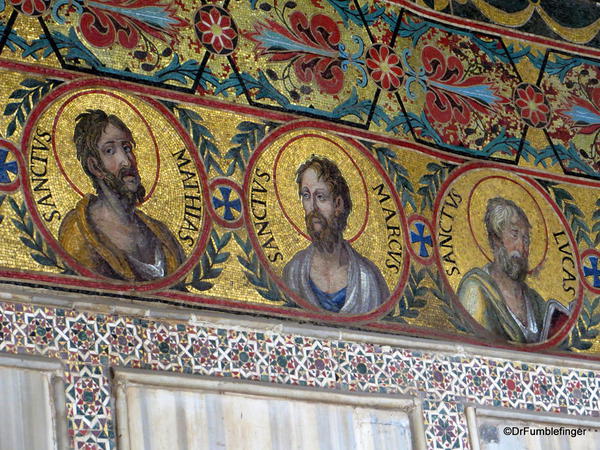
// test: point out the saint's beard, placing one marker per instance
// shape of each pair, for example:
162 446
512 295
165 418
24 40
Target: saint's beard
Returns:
116 184
514 266
328 236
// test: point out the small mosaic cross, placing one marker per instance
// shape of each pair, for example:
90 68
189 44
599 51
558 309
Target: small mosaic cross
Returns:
593 271
6 167
227 203
421 238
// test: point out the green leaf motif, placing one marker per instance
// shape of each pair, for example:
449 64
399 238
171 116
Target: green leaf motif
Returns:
361 109
250 134
202 137
454 317
13 40
207 267
396 171
178 72
347 12
587 328
261 86
26 99
33 240
431 182
257 275
596 225
414 297
573 214
76 51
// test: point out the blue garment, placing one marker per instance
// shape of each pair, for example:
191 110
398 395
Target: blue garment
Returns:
330 302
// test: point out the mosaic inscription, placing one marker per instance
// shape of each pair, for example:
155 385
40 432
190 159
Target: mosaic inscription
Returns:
379 168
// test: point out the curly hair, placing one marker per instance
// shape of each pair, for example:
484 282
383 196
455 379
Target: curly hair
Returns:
328 172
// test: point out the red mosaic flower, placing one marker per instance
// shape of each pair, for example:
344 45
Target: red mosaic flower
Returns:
384 67
127 22
532 105
453 95
584 111
310 44
31 7
216 30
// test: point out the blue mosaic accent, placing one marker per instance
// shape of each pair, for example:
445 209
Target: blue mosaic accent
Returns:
423 239
6 167
228 204
593 271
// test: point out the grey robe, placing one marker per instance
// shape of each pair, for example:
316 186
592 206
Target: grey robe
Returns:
366 289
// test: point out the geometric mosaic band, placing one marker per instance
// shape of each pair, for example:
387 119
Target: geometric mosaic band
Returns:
89 344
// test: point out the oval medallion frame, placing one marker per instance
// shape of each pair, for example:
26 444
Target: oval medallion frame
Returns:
310 310
558 336
95 280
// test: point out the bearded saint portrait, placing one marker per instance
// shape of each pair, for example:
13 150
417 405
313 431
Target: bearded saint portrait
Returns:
106 232
497 295
329 273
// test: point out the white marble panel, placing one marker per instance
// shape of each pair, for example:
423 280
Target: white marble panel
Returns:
27 415
164 417
504 430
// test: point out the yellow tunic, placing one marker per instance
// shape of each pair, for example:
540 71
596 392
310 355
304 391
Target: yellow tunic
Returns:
92 249
480 296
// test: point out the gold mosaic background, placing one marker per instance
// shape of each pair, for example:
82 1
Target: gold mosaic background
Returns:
426 122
